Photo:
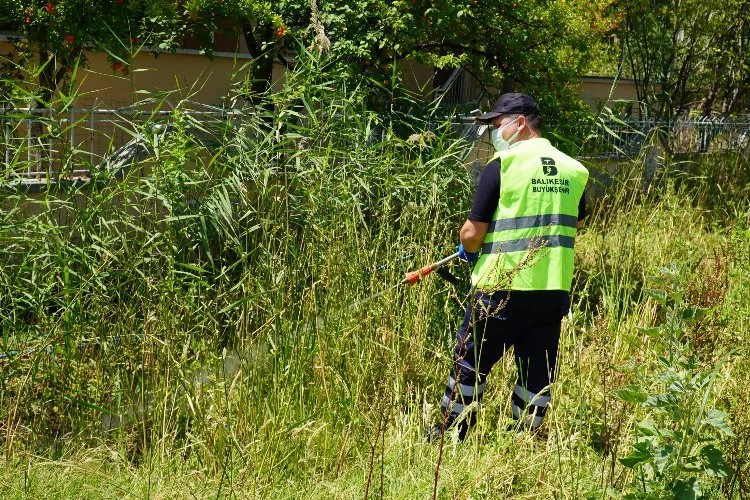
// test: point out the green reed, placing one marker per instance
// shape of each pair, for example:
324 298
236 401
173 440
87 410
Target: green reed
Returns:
187 328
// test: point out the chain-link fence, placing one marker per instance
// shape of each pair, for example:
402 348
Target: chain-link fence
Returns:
39 145
621 139
461 90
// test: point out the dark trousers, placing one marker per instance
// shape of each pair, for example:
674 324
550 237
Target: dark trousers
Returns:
527 321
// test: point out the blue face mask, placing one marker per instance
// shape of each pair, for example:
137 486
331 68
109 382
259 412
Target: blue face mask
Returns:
496 136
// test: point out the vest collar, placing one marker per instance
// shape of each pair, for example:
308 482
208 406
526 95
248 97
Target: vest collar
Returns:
533 140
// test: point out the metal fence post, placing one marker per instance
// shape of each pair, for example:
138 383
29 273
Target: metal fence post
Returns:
29 124
7 137
49 146
92 119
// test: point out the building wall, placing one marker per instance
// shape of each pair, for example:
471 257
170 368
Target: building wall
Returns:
185 75
188 74
417 77
597 91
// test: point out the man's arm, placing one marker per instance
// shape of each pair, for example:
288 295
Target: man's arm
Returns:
485 202
472 235
581 211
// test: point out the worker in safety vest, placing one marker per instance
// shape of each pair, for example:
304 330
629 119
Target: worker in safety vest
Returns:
520 234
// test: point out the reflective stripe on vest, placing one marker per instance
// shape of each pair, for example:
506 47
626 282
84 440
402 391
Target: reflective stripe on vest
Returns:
533 221
533 243
529 244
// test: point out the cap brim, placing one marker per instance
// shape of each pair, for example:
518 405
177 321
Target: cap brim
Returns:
488 117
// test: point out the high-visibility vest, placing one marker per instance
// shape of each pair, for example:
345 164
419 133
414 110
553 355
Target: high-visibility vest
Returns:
529 244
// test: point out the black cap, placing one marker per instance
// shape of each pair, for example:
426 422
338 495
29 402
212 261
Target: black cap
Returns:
511 104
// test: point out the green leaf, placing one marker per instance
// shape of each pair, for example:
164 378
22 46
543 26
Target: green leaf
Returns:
641 453
661 457
687 490
657 280
718 420
662 401
613 493
693 464
647 427
631 394
677 296
192 267
659 295
92 406
672 271
691 314
714 461
651 332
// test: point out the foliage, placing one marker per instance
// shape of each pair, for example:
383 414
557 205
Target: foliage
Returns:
222 318
55 36
203 228
537 47
677 447
685 55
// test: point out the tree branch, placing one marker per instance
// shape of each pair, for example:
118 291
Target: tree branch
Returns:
454 47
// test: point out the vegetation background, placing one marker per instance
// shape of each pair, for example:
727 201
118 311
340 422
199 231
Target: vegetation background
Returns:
199 326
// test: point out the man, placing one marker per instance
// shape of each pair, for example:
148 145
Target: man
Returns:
520 232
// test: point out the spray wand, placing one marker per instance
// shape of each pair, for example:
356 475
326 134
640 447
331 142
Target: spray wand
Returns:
414 276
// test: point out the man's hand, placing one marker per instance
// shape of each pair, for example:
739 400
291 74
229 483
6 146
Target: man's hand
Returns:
467 256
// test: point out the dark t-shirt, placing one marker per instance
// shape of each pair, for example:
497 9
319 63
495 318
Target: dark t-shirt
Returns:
483 209
488 195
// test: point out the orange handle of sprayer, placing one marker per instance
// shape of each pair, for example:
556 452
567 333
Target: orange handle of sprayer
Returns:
414 276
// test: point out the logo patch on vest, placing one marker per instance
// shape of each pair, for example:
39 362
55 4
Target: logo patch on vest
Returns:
548 165
547 184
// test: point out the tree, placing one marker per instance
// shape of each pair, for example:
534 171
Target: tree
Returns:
54 35
537 46
728 64
685 54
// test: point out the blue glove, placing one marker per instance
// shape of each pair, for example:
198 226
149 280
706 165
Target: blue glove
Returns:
467 256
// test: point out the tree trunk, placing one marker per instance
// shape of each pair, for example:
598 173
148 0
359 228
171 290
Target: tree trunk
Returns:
708 102
730 102
262 66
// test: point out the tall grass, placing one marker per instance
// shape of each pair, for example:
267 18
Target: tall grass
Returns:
256 248
197 326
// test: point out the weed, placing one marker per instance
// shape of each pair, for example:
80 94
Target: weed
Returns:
677 445
181 326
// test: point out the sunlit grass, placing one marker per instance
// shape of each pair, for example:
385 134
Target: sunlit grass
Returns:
190 331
